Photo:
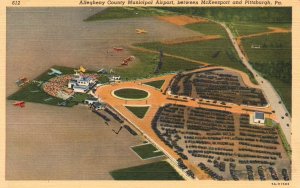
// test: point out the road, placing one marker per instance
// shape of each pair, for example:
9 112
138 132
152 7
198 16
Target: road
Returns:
267 88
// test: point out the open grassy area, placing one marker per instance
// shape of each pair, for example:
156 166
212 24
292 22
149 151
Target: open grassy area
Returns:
157 83
127 12
273 61
154 171
215 52
273 47
238 14
251 28
138 111
33 92
209 28
286 145
129 93
80 97
144 68
147 151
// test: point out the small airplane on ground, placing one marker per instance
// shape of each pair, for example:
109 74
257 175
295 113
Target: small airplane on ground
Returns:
54 72
80 70
102 71
118 49
140 31
127 60
19 104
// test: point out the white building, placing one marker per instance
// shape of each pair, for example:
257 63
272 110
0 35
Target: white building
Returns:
115 79
259 117
81 84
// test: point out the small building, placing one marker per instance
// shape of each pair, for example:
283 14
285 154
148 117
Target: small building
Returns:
255 46
115 79
80 89
81 84
259 117
98 106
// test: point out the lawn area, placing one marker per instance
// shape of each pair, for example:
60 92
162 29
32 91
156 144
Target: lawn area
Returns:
241 14
286 145
80 97
251 28
33 92
209 28
161 170
147 151
138 111
127 12
274 47
157 83
129 93
146 64
274 61
215 52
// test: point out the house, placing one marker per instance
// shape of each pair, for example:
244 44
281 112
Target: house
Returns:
259 117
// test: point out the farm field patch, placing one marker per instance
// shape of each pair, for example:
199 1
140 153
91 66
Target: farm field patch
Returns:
147 151
153 171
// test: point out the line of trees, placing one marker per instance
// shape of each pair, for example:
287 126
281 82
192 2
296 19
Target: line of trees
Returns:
256 14
281 70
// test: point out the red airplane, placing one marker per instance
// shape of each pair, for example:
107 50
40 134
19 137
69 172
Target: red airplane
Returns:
127 60
118 49
19 104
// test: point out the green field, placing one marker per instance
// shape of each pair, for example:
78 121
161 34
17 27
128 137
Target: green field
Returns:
129 93
138 111
33 92
161 170
241 14
157 83
209 28
285 144
144 68
215 52
273 61
147 151
127 12
251 28
38 96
